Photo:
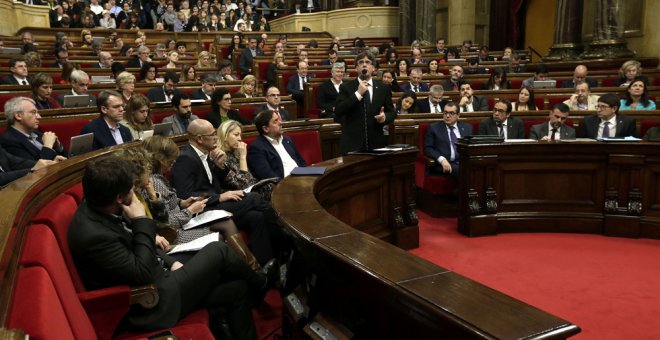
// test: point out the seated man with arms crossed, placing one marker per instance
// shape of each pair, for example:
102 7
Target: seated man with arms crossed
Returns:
113 243
23 138
440 141
554 129
272 154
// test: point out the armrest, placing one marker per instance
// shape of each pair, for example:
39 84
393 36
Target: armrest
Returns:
431 162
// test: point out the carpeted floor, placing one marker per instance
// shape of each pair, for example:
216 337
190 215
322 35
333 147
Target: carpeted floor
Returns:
610 287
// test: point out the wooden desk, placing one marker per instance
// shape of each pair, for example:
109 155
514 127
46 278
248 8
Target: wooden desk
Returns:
378 290
603 188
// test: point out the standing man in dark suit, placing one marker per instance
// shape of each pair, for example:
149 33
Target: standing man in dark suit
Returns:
471 103
23 138
247 55
502 124
79 86
107 130
272 154
296 83
364 107
167 91
19 72
112 243
608 123
273 98
415 84
554 129
440 141
200 170
329 89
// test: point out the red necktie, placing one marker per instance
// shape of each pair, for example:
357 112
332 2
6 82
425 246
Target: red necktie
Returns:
277 113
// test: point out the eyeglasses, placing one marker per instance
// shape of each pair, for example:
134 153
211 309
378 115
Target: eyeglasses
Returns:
500 110
602 107
274 95
213 135
449 113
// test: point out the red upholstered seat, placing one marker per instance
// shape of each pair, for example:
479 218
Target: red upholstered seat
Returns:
435 185
646 124
553 100
516 83
76 191
608 81
528 124
65 129
308 144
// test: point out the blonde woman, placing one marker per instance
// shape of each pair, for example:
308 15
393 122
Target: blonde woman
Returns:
125 82
630 70
172 59
204 60
248 87
278 61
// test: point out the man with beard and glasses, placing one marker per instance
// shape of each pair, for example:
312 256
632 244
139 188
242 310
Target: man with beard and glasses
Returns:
182 114
167 91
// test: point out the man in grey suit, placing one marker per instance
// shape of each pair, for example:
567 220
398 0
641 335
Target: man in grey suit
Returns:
182 114
501 123
469 102
555 128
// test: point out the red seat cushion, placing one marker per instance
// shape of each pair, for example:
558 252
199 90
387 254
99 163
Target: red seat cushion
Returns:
435 185
64 129
308 144
76 191
646 124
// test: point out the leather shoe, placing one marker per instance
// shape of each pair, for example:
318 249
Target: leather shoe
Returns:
271 271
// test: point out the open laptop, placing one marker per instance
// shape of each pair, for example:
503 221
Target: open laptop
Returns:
545 84
99 40
161 129
81 144
71 100
455 60
11 50
102 79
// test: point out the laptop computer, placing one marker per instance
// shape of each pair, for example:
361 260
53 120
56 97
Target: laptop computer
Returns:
102 79
99 40
71 100
11 50
81 144
545 84
161 129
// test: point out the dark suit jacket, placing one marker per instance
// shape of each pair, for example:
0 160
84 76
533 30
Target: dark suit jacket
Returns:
189 176
107 255
283 112
245 63
198 94
423 87
327 96
13 167
652 133
569 84
539 131
479 103
356 119
157 94
437 142
10 80
265 162
214 118
625 126
102 136
515 128
133 63
449 86
293 88
17 144
92 99
423 105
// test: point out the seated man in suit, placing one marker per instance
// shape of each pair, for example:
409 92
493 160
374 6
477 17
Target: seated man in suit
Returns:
473 67
107 130
608 123
13 168
582 99
554 129
182 116
105 60
61 57
469 102
501 123
514 64
208 86
200 171
167 91
79 86
272 154
440 141
455 79
19 72
435 103
415 84
141 59
112 243
417 57
332 58
247 55
23 138
225 72
296 83
273 103
329 89
579 77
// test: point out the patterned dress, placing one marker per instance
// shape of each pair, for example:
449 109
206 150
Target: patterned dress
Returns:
238 179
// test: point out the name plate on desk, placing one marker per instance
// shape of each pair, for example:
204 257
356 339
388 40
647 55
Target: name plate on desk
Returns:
483 139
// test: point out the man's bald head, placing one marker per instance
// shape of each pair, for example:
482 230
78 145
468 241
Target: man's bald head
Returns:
199 127
580 74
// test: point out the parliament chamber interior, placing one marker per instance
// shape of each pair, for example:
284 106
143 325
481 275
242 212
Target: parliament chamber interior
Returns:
539 220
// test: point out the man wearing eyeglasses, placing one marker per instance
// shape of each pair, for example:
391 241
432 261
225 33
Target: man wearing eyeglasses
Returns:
107 130
555 128
608 123
502 124
440 141
79 86
364 107
182 116
273 99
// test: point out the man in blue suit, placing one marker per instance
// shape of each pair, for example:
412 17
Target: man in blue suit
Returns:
440 141
107 130
247 55
272 154
415 84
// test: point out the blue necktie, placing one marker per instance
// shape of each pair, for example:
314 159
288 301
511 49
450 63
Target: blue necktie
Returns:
452 135
606 130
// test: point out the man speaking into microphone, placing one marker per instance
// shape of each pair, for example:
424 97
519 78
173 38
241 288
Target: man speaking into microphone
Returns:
364 107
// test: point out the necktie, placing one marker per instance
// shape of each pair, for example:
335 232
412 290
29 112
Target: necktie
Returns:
452 135
606 130
554 131
367 99
455 86
500 126
437 108
24 82
277 113
416 88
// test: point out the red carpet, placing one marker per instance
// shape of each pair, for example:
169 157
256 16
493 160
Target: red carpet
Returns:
268 316
610 287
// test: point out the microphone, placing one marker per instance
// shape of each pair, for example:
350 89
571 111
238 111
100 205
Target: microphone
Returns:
364 74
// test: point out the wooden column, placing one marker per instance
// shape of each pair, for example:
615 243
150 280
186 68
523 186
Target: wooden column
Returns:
568 31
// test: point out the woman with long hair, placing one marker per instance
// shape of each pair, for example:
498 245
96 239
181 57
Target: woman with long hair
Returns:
236 44
137 116
149 72
188 73
271 74
402 67
248 87
637 97
407 103
525 100
497 80
221 110
42 88
172 59
432 68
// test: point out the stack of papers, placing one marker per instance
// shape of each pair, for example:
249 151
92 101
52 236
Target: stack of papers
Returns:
195 244
206 217
619 139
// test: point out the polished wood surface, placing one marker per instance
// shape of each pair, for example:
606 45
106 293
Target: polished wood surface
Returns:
378 290
587 187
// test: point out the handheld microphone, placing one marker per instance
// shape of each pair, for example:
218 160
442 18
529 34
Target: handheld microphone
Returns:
364 74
